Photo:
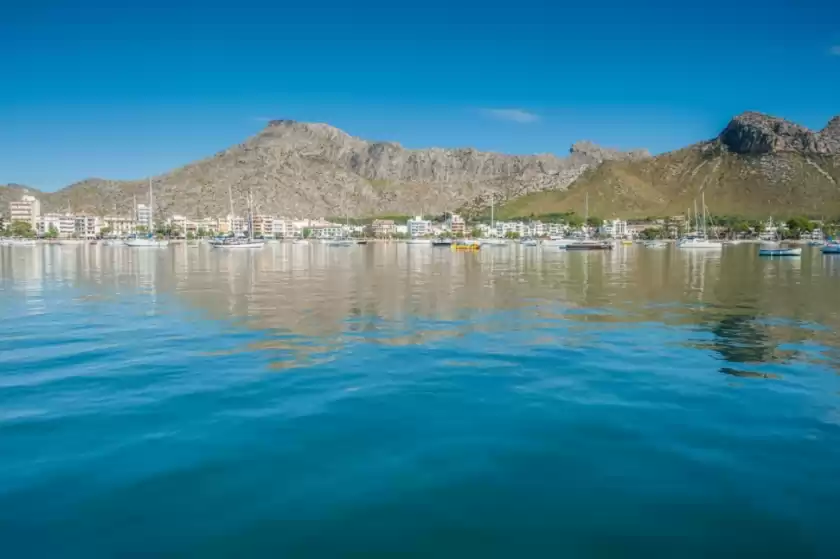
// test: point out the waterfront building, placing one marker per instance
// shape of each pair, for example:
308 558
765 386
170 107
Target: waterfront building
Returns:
614 228
383 227
456 224
27 209
263 225
63 224
419 227
87 226
120 226
326 230
144 216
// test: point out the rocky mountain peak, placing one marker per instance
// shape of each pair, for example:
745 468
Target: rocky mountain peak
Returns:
754 133
591 149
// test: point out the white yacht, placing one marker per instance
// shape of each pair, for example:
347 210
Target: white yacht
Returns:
418 241
699 239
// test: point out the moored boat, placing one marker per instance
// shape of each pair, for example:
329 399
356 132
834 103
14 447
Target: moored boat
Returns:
775 250
590 244
442 242
831 248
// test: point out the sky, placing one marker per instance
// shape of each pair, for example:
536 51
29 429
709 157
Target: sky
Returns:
102 89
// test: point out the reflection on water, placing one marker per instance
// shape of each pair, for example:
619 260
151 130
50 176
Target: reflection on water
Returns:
330 402
399 294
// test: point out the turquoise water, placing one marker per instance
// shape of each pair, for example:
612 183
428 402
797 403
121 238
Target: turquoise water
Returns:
370 401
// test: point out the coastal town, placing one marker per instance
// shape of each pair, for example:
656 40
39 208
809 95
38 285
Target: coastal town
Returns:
25 219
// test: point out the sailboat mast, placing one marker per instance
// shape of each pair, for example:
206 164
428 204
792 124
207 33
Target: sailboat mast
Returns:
696 217
704 213
151 208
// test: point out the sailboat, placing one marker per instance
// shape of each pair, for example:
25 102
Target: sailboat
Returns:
699 239
586 243
234 242
492 241
342 241
149 241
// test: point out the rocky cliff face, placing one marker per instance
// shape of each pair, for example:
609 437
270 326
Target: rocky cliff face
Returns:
756 134
299 169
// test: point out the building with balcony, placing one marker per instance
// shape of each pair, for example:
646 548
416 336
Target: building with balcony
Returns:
27 209
119 226
456 224
383 227
63 224
87 226
419 227
144 216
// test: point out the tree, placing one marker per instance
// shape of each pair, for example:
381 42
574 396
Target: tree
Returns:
200 232
798 225
511 235
190 236
105 231
52 232
594 221
142 229
21 229
650 233
475 233
574 221
307 232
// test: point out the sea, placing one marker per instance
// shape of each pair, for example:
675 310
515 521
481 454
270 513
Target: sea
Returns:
406 400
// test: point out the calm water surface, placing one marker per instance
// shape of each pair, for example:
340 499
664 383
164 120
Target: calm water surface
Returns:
312 401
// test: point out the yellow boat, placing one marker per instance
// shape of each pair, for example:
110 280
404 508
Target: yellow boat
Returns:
466 246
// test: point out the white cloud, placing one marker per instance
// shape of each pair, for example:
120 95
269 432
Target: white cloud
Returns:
835 50
513 115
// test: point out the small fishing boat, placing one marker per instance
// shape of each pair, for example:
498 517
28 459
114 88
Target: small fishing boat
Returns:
656 244
442 242
777 250
590 244
831 248
340 242
558 242
626 242
816 243
361 241
528 242
467 245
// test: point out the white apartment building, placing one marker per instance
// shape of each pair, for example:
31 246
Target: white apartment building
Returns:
419 227
237 225
504 227
286 228
87 226
614 228
144 216
456 224
119 225
27 209
64 225
326 230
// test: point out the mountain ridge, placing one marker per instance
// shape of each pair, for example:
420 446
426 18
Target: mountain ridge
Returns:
295 168
758 165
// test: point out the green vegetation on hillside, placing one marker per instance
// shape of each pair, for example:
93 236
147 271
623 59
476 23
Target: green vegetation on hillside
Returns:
782 185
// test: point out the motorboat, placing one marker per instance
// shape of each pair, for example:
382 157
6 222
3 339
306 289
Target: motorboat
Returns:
558 242
339 242
656 244
831 248
146 242
442 242
777 250
590 244
528 242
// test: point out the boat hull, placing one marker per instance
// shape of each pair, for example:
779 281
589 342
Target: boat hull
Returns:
589 246
830 249
780 252
146 243
234 246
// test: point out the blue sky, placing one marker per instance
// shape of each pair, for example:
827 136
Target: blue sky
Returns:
99 89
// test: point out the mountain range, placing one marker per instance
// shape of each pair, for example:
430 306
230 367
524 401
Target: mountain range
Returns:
758 165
